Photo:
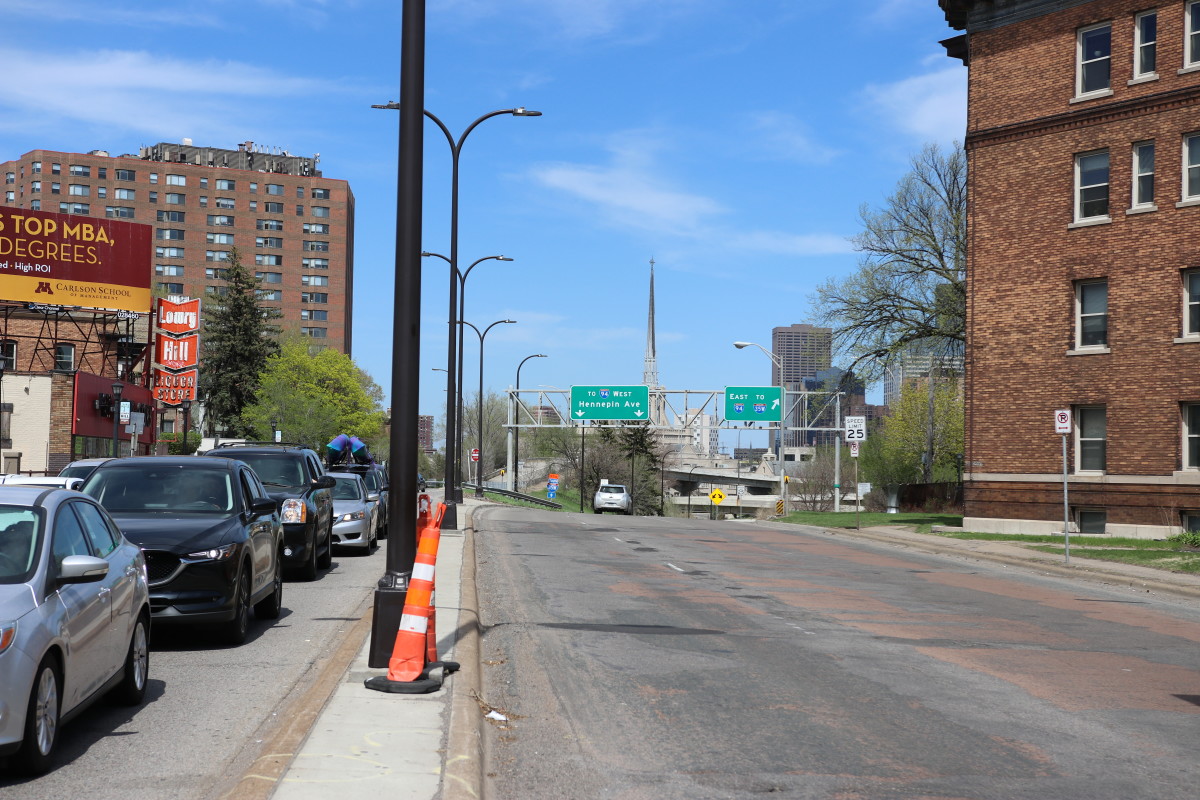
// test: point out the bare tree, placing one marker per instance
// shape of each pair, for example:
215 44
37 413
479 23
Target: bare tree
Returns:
910 286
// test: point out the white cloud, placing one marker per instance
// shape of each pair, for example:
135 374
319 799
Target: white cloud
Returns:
930 107
632 192
113 89
142 16
579 19
628 192
786 137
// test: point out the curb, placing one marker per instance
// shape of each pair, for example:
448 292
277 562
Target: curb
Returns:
462 777
1090 570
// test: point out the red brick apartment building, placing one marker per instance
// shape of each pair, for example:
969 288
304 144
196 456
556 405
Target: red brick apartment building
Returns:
1083 136
291 225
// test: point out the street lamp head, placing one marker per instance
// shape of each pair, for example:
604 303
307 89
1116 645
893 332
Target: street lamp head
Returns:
117 388
187 404
742 345
393 105
503 258
525 112
509 321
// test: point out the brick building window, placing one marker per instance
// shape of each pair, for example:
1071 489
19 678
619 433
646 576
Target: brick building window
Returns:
1091 186
219 238
1191 51
176 180
8 355
1091 314
1190 520
316 227
268 261
318 314
170 288
225 202
1091 520
79 189
1145 45
269 277
1091 439
171 216
273 208
270 225
1094 61
220 220
1191 167
126 174
315 245
168 233
175 199
320 211
64 356
36 186
1191 303
226 185
274 188
55 187
314 297
80 171
270 294
216 255
216 273
125 194
169 270
1191 435
316 333
314 263
118 212
168 252
314 280
268 241
320 194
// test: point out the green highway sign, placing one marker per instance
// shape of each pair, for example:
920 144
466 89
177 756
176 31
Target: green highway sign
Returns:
610 402
754 403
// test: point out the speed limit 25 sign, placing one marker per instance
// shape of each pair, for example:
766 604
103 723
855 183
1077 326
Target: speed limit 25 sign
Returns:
856 429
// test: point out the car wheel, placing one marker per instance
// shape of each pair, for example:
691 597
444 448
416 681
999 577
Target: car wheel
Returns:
596 510
236 629
132 688
309 571
41 720
325 561
270 606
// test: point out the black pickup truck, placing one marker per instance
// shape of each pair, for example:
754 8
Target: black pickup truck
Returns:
296 481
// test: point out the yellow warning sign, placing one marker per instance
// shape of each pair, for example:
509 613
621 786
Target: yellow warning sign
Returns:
716 495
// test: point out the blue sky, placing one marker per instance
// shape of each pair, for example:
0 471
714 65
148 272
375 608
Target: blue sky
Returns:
732 141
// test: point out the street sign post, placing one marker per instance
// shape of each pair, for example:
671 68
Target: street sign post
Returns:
856 429
716 495
1062 425
754 403
609 402
474 453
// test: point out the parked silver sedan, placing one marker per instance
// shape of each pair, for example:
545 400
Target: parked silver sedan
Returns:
74 617
355 512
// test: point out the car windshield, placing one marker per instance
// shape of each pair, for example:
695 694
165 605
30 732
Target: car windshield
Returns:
19 536
162 488
612 490
347 488
278 469
78 471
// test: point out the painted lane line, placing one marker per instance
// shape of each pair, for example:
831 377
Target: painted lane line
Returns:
672 566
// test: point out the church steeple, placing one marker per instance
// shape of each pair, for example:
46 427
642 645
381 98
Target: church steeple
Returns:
650 370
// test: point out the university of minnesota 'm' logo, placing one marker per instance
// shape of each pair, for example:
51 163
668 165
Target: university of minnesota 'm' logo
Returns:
43 287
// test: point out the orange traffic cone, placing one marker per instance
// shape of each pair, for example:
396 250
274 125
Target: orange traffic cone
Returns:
415 651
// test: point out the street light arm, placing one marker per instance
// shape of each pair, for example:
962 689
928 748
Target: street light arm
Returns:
480 261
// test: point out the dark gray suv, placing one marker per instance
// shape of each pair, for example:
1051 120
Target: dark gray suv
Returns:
297 482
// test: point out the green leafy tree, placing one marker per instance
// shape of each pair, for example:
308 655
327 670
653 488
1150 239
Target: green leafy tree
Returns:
236 342
910 285
312 397
893 454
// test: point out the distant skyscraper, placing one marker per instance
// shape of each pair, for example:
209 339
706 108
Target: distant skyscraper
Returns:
804 352
425 433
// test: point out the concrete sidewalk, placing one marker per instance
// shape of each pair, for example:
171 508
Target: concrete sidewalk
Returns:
368 745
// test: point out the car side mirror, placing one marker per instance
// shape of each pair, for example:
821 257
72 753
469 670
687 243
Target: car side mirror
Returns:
262 505
373 497
324 482
82 569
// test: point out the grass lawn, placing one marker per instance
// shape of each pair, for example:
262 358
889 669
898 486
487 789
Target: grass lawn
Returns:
1157 557
846 519
567 499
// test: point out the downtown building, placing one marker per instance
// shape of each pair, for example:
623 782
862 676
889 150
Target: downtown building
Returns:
801 353
292 227
1083 269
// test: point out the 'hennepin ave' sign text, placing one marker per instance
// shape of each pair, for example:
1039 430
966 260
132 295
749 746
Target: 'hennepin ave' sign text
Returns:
607 402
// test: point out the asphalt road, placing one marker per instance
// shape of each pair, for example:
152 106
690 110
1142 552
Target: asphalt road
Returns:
208 706
648 658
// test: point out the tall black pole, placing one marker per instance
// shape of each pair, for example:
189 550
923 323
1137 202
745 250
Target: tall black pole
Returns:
406 340
582 448
116 412
517 421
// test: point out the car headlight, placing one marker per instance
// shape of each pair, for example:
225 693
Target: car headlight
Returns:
215 554
8 635
293 510
353 516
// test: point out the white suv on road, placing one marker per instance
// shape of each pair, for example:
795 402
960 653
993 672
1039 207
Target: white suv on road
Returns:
612 497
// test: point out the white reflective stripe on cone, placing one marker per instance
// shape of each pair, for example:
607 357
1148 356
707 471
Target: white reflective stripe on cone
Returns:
422 572
412 623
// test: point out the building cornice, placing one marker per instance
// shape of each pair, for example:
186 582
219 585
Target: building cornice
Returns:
1079 118
982 15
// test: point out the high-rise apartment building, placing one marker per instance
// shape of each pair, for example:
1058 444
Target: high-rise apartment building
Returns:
291 226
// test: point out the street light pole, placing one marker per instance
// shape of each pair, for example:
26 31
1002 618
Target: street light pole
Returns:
462 294
454 492
186 404
782 390
479 431
517 420
117 388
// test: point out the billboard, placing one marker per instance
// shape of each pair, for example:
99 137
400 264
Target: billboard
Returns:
172 388
177 351
179 318
177 354
71 260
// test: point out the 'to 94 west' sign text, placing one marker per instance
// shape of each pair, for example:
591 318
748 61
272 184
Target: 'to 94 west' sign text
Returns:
71 260
610 402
